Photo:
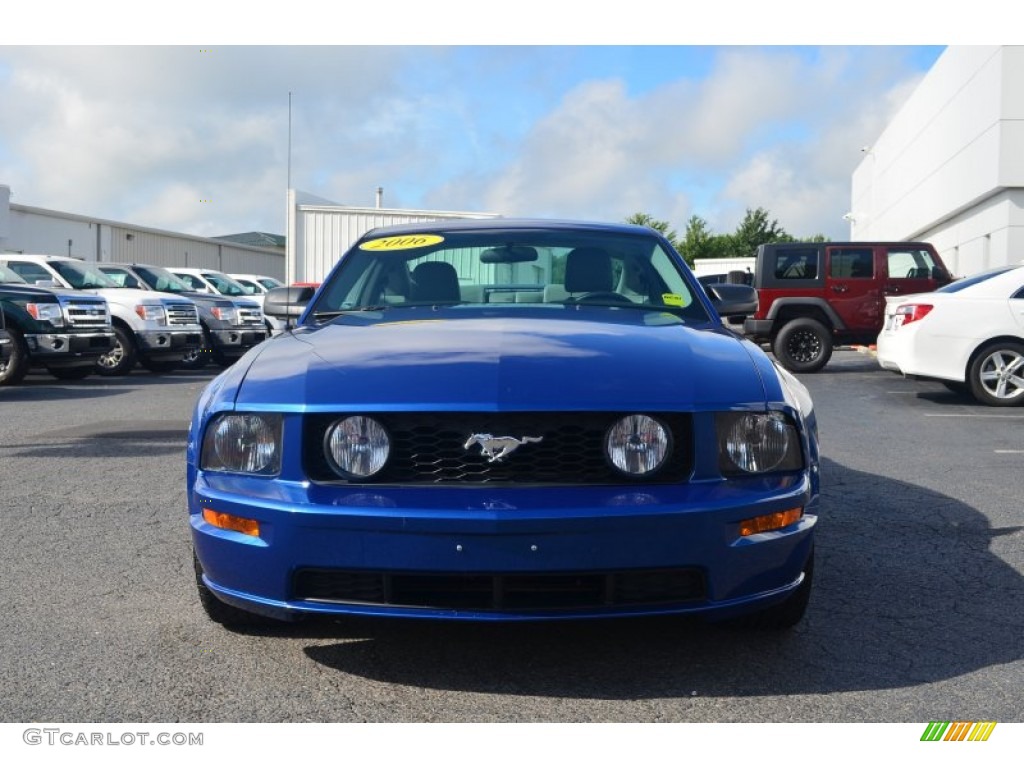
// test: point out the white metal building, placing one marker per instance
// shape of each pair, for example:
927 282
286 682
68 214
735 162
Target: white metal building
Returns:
949 168
319 231
25 229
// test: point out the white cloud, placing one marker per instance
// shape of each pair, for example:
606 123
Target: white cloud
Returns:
145 134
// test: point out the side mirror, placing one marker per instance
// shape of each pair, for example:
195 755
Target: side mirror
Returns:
287 303
732 300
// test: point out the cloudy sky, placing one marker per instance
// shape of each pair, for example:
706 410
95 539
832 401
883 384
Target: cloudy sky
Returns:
195 137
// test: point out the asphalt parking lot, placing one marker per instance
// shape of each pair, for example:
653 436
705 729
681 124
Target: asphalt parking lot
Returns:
915 615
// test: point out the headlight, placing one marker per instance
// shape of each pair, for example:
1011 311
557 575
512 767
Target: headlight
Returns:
357 447
152 312
225 314
50 313
637 445
249 443
757 442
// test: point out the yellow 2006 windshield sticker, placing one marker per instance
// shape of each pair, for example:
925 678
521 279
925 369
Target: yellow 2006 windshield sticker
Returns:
673 300
400 242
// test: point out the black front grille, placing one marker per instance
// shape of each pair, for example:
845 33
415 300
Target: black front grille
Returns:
430 448
496 592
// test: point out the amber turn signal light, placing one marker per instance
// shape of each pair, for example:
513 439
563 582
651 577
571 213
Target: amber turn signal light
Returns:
232 522
771 522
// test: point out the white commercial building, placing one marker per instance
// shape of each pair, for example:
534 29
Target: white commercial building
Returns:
26 229
320 231
949 168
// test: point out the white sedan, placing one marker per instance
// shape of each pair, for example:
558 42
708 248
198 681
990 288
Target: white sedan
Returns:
969 335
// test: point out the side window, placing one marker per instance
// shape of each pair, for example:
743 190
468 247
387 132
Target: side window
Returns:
121 277
191 282
796 264
910 262
30 272
852 263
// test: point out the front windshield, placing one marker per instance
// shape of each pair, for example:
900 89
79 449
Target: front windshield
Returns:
10 276
81 276
548 267
269 282
224 284
160 279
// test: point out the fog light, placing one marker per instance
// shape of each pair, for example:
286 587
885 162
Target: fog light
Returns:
232 522
772 522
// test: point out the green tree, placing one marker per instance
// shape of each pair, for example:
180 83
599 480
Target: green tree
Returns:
646 220
699 242
756 229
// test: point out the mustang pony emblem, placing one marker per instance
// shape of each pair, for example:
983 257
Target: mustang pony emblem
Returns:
497 448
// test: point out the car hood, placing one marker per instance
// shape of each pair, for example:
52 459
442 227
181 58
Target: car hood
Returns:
645 361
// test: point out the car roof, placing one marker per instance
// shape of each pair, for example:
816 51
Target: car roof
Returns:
483 225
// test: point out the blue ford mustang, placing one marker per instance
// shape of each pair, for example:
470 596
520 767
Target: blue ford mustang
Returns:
505 420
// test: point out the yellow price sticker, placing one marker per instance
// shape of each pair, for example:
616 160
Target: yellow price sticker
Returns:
672 300
400 242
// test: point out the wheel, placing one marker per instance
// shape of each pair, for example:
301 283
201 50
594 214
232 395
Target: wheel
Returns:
996 376
121 357
160 366
13 370
225 614
786 614
803 345
196 359
72 374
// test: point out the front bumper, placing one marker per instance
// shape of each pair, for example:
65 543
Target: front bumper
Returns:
757 329
69 349
168 344
501 553
234 342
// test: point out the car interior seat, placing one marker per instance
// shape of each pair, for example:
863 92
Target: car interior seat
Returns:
435 281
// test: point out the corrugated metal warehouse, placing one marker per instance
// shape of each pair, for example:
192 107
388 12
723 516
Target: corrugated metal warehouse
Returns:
319 231
25 229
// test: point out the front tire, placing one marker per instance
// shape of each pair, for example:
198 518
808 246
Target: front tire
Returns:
121 357
803 345
224 614
996 376
786 614
14 369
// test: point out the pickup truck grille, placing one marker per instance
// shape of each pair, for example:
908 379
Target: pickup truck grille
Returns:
182 314
87 314
250 316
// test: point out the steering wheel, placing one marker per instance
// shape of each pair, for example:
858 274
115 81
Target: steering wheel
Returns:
602 296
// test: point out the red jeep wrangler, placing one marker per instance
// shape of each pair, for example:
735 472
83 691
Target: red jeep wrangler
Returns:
812 296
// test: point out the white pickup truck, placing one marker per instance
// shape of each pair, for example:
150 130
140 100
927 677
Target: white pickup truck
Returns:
154 329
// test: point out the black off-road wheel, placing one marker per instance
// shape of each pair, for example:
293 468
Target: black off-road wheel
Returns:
803 345
224 614
14 368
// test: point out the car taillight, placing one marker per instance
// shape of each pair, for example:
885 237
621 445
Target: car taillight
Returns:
913 312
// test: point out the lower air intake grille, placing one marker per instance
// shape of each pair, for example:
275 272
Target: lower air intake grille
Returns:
496 592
